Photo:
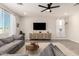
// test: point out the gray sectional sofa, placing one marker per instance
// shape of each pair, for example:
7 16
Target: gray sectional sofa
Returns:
11 44
52 50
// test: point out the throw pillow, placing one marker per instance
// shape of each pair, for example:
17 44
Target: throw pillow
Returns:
8 40
1 43
58 52
47 51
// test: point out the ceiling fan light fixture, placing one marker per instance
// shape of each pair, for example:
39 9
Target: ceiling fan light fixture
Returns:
48 10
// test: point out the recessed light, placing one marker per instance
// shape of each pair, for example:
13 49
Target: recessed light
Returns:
65 14
24 13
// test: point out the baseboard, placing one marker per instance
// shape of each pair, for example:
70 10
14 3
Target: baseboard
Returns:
60 38
75 41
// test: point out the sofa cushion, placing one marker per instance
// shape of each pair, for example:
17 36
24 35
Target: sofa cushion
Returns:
47 51
1 43
6 48
58 52
7 40
52 50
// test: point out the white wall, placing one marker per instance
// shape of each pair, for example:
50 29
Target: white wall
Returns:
26 24
72 27
73 33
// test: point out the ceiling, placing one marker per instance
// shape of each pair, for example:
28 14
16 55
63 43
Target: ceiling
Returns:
32 9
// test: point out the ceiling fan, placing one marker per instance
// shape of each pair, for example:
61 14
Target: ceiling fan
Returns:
48 7
76 4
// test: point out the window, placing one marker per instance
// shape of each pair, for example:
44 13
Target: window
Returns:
4 21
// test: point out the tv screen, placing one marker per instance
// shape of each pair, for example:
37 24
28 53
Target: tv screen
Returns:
39 26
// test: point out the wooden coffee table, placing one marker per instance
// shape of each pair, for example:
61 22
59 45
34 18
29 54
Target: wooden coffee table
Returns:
35 53
32 47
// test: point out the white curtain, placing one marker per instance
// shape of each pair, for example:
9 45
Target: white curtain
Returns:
12 25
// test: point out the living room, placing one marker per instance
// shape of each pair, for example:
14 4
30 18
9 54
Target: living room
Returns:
42 26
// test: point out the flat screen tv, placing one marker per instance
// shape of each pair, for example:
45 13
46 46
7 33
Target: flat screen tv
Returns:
39 26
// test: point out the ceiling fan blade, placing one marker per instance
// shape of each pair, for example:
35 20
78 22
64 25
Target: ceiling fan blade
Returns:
44 10
20 3
76 4
42 6
55 7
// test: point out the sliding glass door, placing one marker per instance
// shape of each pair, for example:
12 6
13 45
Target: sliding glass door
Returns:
6 18
1 21
4 21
